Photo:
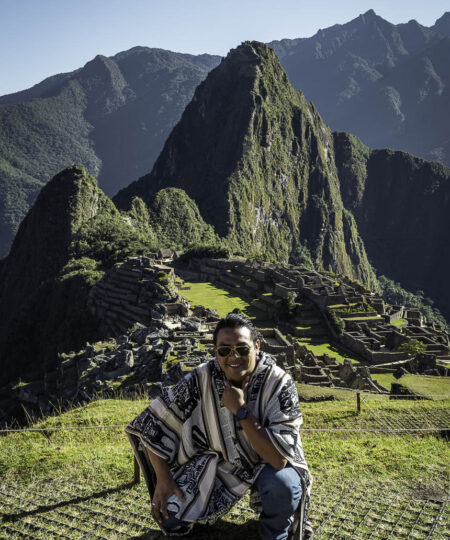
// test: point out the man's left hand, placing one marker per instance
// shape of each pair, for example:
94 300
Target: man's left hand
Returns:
233 398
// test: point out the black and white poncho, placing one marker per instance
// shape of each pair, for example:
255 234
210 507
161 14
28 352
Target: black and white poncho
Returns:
206 448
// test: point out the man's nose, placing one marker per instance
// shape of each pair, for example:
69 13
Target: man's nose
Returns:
234 353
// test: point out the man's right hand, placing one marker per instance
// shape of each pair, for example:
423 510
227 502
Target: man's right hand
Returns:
165 487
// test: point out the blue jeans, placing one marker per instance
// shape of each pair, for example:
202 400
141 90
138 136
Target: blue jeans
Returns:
280 493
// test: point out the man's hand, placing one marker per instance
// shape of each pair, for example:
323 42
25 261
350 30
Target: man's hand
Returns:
165 487
234 398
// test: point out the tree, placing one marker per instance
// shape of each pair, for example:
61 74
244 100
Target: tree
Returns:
413 346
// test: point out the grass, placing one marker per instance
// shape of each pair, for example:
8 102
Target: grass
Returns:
323 347
398 322
427 385
335 306
223 301
72 482
385 379
368 318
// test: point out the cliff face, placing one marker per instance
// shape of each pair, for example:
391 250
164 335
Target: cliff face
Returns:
401 204
259 162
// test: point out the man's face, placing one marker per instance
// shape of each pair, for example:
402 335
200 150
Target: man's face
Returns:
236 367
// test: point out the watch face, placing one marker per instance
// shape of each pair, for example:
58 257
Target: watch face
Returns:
242 413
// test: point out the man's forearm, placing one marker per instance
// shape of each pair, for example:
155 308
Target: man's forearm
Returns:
261 443
160 465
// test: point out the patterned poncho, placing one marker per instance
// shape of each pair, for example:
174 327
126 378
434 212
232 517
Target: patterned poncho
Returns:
207 450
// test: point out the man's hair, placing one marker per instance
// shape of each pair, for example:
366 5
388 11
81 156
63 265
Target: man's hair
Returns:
235 320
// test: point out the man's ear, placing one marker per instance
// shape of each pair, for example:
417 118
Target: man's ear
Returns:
257 344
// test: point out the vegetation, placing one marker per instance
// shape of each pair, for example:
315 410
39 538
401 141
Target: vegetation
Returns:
385 379
223 301
287 307
413 346
108 239
87 117
432 387
336 321
207 251
90 470
323 347
177 222
394 294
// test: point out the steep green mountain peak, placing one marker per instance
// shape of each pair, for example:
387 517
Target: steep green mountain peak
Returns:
258 160
40 248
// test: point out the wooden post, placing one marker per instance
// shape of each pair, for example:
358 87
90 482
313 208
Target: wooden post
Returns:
137 471
358 402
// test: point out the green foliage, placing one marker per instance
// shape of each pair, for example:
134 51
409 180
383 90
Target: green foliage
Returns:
140 217
67 120
337 322
302 257
108 239
176 220
287 307
85 268
218 251
395 294
413 346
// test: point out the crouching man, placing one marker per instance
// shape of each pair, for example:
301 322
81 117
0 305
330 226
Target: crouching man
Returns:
230 425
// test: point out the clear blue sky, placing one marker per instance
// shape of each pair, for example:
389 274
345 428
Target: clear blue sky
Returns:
39 38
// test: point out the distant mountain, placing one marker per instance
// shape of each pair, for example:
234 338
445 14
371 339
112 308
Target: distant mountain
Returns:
388 84
113 115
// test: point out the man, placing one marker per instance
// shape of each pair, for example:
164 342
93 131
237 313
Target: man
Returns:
230 425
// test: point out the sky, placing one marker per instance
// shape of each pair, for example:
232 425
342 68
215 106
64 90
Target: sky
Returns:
39 38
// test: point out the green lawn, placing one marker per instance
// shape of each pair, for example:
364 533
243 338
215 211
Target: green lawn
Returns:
319 348
385 379
398 322
368 318
430 386
218 298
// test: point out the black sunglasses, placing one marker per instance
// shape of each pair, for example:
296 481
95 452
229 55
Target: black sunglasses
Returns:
240 350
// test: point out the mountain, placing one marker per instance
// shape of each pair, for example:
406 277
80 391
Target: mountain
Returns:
388 84
113 116
258 160
273 180
68 239
401 205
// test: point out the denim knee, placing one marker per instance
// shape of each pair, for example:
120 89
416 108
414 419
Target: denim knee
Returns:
279 489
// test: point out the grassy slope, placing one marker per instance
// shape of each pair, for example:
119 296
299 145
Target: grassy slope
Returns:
218 298
91 470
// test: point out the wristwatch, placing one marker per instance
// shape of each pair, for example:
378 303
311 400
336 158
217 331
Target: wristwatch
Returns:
242 412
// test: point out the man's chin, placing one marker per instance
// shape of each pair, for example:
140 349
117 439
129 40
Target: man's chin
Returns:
236 380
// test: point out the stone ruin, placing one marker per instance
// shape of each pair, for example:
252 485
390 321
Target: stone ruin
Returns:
156 336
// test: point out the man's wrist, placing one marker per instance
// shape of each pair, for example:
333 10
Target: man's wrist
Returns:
242 412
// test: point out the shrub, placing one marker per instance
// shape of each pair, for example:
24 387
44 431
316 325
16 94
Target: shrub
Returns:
413 346
205 251
336 322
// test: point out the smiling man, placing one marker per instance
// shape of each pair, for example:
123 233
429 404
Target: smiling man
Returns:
230 425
